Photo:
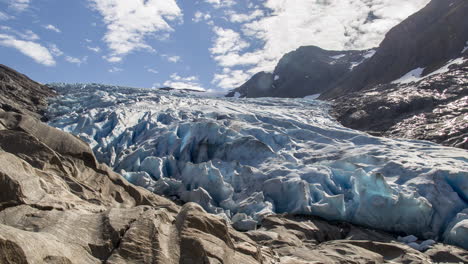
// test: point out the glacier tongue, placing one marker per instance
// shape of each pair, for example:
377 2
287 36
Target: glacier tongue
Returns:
245 159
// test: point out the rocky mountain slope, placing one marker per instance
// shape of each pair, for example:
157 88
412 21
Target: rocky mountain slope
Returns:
305 71
59 205
433 107
20 94
414 86
428 40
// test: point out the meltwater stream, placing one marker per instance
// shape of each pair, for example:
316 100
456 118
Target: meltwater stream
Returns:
244 159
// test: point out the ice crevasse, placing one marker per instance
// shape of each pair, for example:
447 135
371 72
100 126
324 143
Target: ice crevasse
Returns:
244 159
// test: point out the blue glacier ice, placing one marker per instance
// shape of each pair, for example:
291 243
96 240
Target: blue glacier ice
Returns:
245 159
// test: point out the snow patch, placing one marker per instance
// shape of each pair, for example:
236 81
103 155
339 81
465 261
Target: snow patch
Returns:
466 48
370 54
336 57
412 76
366 56
416 74
446 67
276 78
312 97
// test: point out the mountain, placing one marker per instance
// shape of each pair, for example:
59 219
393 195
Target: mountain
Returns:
305 71
428 39
58 204
414 86
432 107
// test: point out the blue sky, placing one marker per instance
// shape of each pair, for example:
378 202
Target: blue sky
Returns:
204 44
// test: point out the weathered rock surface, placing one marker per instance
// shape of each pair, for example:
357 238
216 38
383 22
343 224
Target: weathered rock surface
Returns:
20 94
434 108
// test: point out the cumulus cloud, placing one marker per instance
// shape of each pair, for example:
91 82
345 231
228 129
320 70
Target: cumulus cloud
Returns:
115 69
200 16
25 35
173 59
178 82
227 41
335 25
242 18
152 70
34 50
76 61
4 16
55 50
94 49
19 5
220 3
52 28
130 22
230 78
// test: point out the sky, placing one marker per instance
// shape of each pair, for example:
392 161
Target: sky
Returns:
214 45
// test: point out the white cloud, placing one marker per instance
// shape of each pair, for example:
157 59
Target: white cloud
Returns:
55 50
52 28
229 79
173 59
152 70
26 35
178 82
130 22
5 16
115 69
227 41
221 3
112 58
76 61
335 25
19 5
200 16
328 24
94 49
242 18
29 48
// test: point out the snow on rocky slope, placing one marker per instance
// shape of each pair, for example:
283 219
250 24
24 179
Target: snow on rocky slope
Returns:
248 158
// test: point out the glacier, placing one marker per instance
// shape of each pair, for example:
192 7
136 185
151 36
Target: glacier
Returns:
244 159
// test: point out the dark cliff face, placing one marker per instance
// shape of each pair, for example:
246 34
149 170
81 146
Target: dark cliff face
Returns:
434 108
427 39
305 71
259 85
20 94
